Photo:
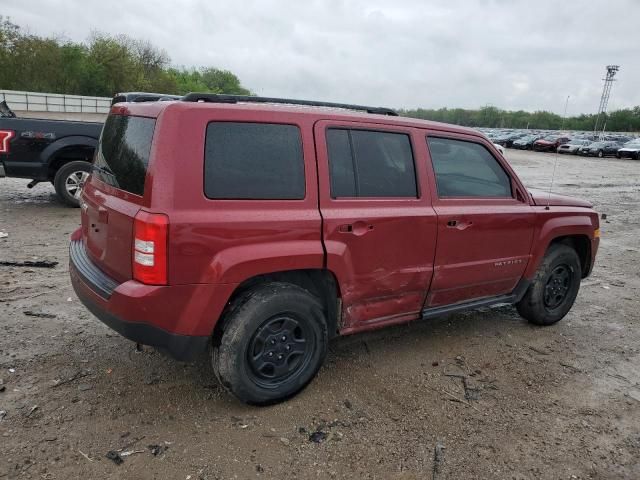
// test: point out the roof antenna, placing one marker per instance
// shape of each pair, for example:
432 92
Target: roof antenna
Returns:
555 162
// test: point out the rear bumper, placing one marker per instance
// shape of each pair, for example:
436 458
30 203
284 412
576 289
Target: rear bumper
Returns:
136 311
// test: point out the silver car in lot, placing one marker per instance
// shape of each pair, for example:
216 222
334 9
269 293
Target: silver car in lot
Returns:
573 146
630 150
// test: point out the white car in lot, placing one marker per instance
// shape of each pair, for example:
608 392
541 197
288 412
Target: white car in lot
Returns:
500 148
573 146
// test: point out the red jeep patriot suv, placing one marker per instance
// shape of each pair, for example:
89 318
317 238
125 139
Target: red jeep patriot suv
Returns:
258 228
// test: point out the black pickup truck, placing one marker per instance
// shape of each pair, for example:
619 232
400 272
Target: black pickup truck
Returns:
55 151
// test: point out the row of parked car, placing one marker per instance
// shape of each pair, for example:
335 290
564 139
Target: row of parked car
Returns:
620 146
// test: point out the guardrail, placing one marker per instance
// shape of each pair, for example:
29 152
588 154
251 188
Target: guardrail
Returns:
54 102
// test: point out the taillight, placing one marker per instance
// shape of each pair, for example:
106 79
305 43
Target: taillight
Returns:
150 236
5 136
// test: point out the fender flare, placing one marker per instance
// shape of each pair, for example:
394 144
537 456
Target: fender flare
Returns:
47 155
565 226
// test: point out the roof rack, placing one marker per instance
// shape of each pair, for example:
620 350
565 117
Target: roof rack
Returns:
143 97
219 98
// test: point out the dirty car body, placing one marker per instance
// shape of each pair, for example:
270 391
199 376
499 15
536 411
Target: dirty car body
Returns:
198 209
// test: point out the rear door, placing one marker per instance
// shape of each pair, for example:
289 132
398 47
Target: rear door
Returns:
379 228
115 192
485 223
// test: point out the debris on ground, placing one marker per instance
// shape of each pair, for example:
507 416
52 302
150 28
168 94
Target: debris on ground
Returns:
318 436
348 404
4 234
114 457
30 313
3 414
157 449
131 452
438 460
30 263
85 455
285 440
33 409
74 377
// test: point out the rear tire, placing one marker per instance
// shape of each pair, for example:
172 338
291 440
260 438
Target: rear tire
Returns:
554 288
600 154
273 342
69 180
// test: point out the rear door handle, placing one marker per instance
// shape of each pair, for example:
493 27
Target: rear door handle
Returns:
460 225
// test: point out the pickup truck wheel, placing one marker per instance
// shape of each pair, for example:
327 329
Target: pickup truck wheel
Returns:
69 180
273 343
555 287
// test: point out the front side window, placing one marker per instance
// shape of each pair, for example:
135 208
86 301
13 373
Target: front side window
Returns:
253 161
467 169
364 163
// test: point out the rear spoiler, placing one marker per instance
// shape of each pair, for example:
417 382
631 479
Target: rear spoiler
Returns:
5 111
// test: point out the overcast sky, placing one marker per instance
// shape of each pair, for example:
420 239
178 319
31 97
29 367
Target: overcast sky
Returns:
511 54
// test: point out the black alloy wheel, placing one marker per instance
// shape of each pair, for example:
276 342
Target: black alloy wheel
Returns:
279 349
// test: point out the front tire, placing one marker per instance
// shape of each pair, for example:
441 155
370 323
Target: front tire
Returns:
69 180
554 288
600 154
273 342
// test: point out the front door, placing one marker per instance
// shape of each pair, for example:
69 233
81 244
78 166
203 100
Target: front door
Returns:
379 228
485 222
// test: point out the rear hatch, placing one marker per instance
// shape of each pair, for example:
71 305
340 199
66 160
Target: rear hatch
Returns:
115 192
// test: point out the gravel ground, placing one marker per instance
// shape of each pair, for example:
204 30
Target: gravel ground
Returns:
475 395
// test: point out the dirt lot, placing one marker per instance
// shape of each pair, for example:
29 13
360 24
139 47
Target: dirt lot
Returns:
557 402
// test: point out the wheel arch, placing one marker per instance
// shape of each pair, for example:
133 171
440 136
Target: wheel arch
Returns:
582 245
321 283
67 150
576 231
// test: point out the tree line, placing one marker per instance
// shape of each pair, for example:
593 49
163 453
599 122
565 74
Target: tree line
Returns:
102 66
625 120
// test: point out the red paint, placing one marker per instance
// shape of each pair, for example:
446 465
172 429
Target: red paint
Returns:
399 256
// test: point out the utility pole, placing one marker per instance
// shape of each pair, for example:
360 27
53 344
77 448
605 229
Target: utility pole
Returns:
604 99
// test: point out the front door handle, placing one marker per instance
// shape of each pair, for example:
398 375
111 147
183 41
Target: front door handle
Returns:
356 228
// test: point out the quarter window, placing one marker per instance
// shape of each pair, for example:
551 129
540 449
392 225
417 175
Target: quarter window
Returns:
365 163
467 169
253 161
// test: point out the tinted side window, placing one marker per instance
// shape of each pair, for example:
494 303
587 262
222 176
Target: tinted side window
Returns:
365 163
341 167
253 161
467 169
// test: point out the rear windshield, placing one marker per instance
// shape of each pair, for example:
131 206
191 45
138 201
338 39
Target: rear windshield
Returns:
123 152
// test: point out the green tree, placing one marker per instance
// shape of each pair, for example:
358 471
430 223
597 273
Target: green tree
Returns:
102 66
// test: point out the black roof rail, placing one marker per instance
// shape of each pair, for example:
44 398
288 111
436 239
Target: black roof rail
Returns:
143 97
220 98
